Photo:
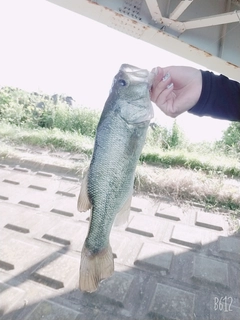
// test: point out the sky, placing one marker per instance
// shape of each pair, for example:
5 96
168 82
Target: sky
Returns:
50 49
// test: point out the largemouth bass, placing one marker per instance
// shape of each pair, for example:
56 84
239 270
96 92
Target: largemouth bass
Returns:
108 185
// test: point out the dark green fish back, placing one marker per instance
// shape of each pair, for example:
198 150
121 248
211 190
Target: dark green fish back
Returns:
111 177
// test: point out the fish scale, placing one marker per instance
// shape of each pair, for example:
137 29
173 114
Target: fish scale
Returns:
107 187
113 174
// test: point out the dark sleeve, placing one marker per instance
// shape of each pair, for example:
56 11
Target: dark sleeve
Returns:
220 98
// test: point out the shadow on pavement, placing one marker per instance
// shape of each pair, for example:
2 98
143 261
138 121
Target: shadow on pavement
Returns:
193 284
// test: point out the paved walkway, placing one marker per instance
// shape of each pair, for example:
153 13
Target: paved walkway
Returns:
170 262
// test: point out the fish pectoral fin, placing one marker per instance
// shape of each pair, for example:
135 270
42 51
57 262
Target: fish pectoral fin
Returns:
84 203
123 215
95 268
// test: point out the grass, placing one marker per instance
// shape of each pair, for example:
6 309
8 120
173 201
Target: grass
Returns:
207 161
177 174
50 138
180 185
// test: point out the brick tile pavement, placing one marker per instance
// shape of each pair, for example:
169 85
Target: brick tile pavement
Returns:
170 262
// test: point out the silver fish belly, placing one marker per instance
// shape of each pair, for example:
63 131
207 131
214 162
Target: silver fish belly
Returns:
107 187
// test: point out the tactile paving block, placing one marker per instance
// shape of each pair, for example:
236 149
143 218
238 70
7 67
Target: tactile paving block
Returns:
211 271
144 226
127 253
118 242
10 298
37 199
170 212
9 212
31 179
210 220
17 168
11 181
171 303
12 192
71 187
49 310
229 247
115 289
143 205
9 174
39 191
19 255
57 271
3 197
67 233
43 183
44 174
4 234
156 257
62 212
25 220
72 179
187 236
66 193
63 203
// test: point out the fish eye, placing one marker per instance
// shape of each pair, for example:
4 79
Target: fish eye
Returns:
122 82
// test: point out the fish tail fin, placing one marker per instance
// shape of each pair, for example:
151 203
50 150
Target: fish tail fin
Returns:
95 268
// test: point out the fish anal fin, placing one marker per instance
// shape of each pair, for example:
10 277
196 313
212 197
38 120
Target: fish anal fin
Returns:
95 268
123 215
84 203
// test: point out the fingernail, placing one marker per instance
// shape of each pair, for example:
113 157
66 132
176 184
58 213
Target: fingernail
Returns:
167 75
170 86
155 71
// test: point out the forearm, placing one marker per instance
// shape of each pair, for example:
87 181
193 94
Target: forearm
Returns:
220 98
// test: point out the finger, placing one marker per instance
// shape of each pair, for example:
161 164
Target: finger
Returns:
165 98
159 85
158 75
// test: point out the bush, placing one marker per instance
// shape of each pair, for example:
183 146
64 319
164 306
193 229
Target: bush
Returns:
14 106
177 138
231 137
158 136
166 139
34 110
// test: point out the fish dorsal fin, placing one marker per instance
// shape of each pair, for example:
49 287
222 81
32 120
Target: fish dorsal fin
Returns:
84 203
123 215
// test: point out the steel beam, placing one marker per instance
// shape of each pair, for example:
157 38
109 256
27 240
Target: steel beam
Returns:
180 8
154 10
215 20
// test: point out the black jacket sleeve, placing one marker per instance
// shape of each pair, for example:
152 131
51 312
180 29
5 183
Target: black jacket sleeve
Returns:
220 98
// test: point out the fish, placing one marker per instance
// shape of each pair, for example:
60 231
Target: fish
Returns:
107 187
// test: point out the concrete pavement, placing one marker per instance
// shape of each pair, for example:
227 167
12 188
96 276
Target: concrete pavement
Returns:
171 262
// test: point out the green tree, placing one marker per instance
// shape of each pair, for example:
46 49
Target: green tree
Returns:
231 136
177 138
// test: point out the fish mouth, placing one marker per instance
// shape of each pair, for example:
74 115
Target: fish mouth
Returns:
138 74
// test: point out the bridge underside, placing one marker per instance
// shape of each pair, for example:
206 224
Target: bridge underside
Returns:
206 32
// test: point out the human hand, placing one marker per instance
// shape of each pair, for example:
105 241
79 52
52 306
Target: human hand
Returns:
176 89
